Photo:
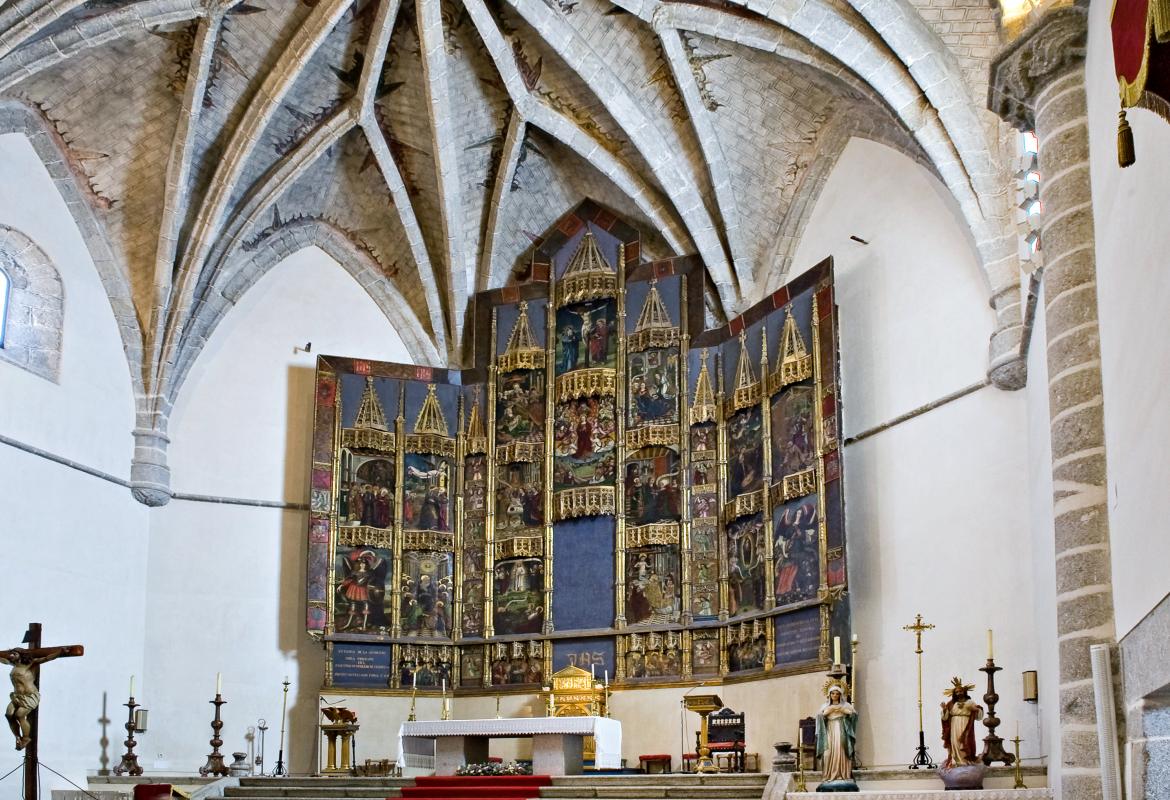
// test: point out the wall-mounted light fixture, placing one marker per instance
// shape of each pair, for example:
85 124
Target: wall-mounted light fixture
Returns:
1031 687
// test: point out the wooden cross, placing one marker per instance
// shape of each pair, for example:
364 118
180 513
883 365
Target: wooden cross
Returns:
26 697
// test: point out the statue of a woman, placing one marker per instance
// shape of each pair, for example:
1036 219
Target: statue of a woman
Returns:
836 734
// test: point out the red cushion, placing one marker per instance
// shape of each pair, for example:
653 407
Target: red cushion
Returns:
151 791
658 756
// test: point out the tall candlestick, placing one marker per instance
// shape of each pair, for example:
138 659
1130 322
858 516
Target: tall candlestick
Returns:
836 649
131 685
218 682
990 645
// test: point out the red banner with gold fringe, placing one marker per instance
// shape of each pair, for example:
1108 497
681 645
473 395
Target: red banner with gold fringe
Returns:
1141 59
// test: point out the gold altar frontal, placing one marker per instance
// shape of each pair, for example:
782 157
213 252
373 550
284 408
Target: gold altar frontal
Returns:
576 693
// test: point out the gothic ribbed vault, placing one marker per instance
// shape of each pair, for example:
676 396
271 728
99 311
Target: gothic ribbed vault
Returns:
425 144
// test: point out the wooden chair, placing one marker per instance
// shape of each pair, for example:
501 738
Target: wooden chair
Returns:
726 731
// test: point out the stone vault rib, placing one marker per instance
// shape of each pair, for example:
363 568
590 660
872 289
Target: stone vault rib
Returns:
460 264
242 142
557 125
625 110
383 29
94 32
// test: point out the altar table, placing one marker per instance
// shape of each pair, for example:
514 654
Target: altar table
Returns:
557 742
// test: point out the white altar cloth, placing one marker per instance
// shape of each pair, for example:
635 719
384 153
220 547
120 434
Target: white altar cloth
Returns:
606 732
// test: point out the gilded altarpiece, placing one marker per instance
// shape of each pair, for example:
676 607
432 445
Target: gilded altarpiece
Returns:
609 485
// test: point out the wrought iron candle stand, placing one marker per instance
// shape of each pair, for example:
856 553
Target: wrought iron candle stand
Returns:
993 745
922 759
279 771
215 765
129 764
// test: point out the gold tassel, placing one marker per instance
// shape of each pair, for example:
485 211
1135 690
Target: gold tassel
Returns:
1125 153
1160 18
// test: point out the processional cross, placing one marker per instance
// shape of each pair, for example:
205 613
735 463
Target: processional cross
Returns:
921 758
26 696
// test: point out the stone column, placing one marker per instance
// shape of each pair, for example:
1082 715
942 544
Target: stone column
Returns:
1038 82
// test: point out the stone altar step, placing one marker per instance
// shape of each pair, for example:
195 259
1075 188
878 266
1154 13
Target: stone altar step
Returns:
926 794
299 792
322 780
755 779
678 786
635 792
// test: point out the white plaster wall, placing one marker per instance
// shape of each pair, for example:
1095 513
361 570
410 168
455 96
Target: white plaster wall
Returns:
75 551
915 318
226 586
1133 240
89 415
74 545
937 507
1045 730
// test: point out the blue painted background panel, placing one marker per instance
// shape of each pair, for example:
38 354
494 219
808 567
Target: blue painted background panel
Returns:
583 574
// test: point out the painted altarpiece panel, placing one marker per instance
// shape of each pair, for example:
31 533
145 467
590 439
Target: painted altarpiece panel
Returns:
519 497
427 593
427 496
745 565
652 396
519 596
653 486
653 585
796 549
363 603
517 663
585 433
745 452
586 336
479 497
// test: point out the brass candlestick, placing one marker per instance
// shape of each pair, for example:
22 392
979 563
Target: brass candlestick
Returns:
129 764
215 765
800 784
1019 773
922 759
413 696
497 706
992 745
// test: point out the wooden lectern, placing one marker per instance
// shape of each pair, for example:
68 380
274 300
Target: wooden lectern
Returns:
703 704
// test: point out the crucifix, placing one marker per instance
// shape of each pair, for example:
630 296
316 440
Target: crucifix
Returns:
921 757
26 696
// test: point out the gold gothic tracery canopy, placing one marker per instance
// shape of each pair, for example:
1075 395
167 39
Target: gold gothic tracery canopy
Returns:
621 490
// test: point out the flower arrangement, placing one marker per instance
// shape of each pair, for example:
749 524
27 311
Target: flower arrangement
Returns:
489 768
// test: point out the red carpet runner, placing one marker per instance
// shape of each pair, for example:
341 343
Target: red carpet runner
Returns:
472 787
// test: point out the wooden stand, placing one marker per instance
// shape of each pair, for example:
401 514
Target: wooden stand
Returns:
703 705
333 732
215 765
993 745
129 764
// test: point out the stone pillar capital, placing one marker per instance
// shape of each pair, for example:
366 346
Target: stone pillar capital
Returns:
1046 50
